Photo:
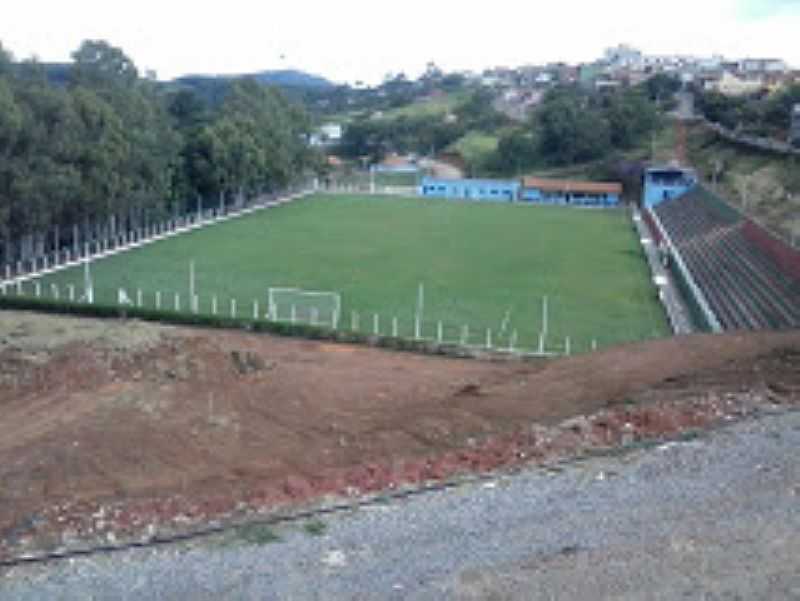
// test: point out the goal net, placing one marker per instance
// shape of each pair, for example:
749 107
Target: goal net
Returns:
304 306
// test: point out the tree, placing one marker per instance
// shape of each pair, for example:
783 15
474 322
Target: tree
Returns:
516 151
98 63
6 61
661 87
571 132
630 118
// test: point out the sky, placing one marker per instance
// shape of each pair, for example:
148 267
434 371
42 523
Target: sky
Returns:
356 40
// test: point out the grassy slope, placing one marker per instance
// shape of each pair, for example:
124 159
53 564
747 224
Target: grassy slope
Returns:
439 105
769 200
475 147
476 261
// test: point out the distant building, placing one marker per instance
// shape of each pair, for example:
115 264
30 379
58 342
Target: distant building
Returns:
395 163
794 132
570 192
665 183
731 85
470 189
763 65
329 134
624 57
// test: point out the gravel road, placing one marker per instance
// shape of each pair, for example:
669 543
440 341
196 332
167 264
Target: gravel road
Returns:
716 517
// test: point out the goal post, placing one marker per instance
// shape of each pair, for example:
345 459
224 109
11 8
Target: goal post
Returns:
297 305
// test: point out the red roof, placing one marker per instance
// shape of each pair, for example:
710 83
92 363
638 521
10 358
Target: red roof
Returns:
567 185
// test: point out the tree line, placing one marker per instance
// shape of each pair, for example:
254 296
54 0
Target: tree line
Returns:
572 124
761 114
101 148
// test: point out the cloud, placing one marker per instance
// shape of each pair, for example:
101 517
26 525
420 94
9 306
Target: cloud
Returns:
759 9
357 39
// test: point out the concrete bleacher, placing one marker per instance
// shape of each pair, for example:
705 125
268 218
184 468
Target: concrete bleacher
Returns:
745 288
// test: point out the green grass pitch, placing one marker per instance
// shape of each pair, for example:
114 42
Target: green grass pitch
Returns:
480 263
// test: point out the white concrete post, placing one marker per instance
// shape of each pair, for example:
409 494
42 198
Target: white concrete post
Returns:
489 338
196 301
376 324
354 321
71 289
594 344
8 271
420 310
567 346
464 335
19 287
395 329
292 315
158 300
255 309
439 332
541 343
545 316
44 263
513 342
19 267
214 305
37 287
233 307
86 249
138 297
54 291
177 304
191 279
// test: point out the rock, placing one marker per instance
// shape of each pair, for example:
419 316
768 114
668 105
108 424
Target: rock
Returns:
246 362
578 425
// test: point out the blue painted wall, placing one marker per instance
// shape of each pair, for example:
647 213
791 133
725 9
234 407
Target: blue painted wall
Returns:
470 189
510 191
662 184
562 198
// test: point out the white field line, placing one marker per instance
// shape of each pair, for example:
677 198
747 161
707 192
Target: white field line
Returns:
139 243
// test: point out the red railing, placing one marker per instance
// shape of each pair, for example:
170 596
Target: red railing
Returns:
651 225
784 255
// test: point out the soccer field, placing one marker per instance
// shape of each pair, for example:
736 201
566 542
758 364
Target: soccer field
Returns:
483 265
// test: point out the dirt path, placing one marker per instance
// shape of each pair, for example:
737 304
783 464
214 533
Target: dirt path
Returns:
111 427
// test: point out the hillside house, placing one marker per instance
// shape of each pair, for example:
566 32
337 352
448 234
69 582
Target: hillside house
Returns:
328 134
732 85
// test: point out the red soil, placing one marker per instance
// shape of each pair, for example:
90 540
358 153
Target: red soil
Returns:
100 440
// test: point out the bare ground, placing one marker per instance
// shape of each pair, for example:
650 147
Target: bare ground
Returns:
116 430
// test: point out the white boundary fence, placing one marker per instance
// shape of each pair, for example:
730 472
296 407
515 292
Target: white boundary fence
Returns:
503 340
670 298
64 259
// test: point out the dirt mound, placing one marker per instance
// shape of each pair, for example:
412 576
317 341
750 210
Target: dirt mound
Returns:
118 428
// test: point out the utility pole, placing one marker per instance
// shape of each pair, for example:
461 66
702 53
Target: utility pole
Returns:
715 174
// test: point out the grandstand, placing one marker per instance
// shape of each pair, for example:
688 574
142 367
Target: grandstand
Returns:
745 284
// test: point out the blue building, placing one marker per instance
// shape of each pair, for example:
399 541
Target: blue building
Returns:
471 189
664 183
570 192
